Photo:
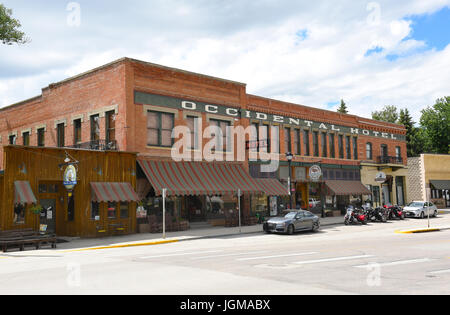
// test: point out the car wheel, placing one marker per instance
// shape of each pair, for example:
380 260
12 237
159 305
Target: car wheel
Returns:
290 230
315 227
422 215
435 214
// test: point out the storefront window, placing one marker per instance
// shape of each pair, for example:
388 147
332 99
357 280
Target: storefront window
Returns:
95 210
112 208
259 205
19 214
154 206
124 210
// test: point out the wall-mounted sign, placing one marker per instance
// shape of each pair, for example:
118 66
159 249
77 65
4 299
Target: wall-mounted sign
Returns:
380 177
70 177
315 172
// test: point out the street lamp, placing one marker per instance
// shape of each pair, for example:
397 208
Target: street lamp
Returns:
289 157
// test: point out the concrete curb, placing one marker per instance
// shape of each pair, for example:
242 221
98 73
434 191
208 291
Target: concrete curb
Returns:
418 231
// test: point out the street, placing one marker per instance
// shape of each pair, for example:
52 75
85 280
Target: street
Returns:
339 259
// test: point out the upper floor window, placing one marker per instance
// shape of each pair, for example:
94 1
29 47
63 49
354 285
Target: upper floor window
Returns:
95 127
369 154
347 148
332 146
384 150
316 143
12 139
287 140
193 125
341 146
220 133
355 148
159 129
323 140
26 138
60 134
297 144
77 131
110 120
41 137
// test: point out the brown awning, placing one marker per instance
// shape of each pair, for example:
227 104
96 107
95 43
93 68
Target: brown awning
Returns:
104 192
440 184
344 188
23 193
198 178
272 187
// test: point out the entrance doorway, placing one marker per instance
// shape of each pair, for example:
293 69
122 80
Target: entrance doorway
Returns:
50 199
48 214
195 209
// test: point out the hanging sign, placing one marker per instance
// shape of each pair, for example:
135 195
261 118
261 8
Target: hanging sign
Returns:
315 172
70 177
380 177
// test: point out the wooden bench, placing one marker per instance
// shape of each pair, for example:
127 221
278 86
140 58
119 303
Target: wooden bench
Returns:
27 237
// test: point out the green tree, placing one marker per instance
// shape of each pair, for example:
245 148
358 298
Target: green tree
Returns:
435 122
415 139
343 108
9 28
389 114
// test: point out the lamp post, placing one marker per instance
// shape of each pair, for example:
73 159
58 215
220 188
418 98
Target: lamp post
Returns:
289 157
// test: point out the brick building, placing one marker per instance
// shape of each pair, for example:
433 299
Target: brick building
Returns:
131 105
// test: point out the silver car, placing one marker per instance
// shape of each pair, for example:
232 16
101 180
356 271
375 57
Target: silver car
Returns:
293 221
420 209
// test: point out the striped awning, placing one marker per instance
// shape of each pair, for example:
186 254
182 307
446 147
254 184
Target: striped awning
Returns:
104 192
23 194
345 188
198 178
272 187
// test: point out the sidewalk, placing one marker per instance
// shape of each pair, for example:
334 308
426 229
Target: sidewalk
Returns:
154 239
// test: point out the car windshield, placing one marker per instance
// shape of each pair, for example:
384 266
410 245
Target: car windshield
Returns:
416 204
290 215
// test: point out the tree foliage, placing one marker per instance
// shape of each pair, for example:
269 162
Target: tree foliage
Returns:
389 114
9 28
435 122
342 108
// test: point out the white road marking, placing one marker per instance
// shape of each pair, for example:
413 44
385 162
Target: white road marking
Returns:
438 272
277 256
227 255
181 254
396 263
331 259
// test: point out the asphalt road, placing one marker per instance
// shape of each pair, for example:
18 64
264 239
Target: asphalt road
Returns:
369 259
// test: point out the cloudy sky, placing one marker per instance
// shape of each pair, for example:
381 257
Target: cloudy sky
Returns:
370 53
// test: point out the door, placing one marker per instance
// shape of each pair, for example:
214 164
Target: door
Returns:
48 214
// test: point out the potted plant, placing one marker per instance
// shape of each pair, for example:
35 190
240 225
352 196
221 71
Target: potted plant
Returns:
36 209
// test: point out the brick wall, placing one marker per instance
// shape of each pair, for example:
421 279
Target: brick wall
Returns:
415 179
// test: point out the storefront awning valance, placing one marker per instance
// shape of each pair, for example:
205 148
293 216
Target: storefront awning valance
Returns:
345 188
23 194
104 192
272 187
440 184
198 178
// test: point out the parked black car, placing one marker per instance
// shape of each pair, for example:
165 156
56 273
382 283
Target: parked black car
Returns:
293 221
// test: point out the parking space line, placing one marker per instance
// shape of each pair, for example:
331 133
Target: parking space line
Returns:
396 263
331 259
227 255
276 256
181 254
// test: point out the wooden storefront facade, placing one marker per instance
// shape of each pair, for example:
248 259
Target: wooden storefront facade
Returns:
77 213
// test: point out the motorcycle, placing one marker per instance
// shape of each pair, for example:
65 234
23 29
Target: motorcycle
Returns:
377 214
396 212
354 216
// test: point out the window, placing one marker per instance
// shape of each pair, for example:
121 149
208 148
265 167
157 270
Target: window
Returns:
332 147
316 143
19 214
77 131
12 139
95 127
323 141
384 150
341 146
222 131
369 154
306 142
26 138
110 126
275 136
71 208
297 143
95 210
60 135
159 129
193 125
112 209
41 137
398 152
347 147
124 210
287 140
355 148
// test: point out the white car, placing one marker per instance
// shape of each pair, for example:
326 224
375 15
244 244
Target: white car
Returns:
420 209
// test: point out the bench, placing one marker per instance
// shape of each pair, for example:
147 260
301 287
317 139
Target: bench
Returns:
22 238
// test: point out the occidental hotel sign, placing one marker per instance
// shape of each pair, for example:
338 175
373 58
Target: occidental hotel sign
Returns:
172 102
